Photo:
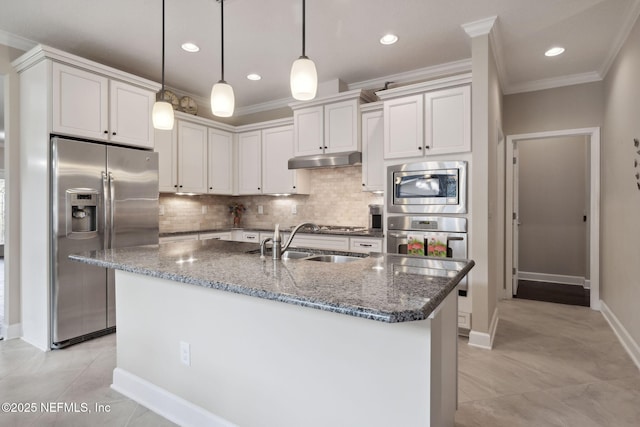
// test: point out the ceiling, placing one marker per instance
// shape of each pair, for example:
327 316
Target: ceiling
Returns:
342 38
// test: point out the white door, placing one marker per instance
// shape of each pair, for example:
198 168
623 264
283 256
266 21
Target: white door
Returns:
373 172
192 158
220 162
277 149
249 163
308 131
448 121
130 119
341 131
404 127
166 145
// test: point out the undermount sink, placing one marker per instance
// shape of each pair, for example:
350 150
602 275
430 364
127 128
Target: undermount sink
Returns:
295 255
332 258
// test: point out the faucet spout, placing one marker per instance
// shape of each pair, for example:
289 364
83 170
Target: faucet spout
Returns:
315 227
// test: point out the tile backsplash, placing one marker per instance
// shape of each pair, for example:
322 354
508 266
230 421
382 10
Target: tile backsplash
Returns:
336 198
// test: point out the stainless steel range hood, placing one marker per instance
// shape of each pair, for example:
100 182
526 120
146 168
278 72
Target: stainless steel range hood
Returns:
326 160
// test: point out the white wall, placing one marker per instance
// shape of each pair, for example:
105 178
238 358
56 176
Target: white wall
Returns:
552 200
620 229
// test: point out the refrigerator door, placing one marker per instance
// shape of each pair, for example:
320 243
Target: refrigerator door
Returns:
78 290
133 207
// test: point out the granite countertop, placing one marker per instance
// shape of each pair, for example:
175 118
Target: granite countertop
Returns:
359 233
383 287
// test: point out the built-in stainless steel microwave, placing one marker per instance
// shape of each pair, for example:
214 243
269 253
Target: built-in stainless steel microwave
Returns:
427 187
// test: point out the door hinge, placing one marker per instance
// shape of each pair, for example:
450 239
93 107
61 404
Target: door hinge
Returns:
515 215
515 160
513 271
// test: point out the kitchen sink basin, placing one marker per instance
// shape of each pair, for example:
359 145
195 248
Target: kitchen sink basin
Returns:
332 258
295 255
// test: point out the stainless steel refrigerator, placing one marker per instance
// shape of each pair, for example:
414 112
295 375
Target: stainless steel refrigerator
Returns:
103 197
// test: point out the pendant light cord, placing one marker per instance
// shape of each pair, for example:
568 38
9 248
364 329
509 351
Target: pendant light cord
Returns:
162 50
222 39
303 28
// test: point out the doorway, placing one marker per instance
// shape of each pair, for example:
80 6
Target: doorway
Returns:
556 242
2 209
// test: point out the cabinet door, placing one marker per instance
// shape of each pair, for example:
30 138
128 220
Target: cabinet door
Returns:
341 127
130 119
192 158
308 126
166 145
403 127
277 149
373 172
448 121
249 163
220 162
80 103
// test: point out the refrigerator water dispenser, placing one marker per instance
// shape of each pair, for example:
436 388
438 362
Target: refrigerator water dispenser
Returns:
82 209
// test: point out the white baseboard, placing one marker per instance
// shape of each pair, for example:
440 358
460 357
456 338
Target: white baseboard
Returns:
552 278
12 331
625 338
485 339
587 284
160 401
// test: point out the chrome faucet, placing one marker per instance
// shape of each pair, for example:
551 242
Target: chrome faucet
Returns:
276 240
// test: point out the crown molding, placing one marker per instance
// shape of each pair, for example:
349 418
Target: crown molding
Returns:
16 42
625 29
552 83
480 27
412 89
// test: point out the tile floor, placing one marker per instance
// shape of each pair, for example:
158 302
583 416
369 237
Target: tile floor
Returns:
552 365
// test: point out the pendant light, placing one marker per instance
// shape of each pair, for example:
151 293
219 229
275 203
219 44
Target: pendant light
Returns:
162 114
222 99
304 78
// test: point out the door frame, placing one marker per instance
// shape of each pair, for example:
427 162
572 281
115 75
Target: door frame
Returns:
594 207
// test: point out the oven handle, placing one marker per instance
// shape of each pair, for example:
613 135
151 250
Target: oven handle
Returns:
399 236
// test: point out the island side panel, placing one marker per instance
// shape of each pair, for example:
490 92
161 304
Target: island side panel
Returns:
257 362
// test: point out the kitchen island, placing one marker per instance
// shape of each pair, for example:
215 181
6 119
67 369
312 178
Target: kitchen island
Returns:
210 334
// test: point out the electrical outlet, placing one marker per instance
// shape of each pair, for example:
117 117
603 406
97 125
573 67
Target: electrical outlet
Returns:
294 209
204 209
260 210
161 210
185 353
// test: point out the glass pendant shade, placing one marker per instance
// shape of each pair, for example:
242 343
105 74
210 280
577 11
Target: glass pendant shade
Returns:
162 115
222 99
304 79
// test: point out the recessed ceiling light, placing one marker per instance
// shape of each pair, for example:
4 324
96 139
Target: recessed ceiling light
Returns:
254 76
190 47
554 51
389 39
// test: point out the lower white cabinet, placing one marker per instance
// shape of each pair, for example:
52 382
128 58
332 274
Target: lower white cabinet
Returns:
180 238
250 236
365 244
216 235
334 243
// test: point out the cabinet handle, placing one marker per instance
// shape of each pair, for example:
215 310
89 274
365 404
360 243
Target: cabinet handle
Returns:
106 132
175 186
258 188
365 245
113 133
363 184
426 147
419 148
325 147
319 148
294 186
181 186
210 188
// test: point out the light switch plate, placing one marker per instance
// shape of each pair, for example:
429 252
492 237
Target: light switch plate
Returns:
260 210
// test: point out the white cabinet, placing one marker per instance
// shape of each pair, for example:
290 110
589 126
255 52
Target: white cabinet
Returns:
328 126
249 163
90 105
179 238
403 127
215 235
192 158
335 243
431 123
373 171
365 244
448 121
308 128
277 149
250 236
166 145
220 164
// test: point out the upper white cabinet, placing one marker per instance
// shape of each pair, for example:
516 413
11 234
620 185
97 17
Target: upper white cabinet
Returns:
435 121
373 170
249 163
192 158
90 105
166 145
277 149
220 162
328 125
448 121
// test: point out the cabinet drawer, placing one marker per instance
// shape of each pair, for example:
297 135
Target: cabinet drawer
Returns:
321 242
180 238
217 236
365 244
464 320
250 236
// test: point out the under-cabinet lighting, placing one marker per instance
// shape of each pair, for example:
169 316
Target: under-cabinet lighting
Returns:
189 260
